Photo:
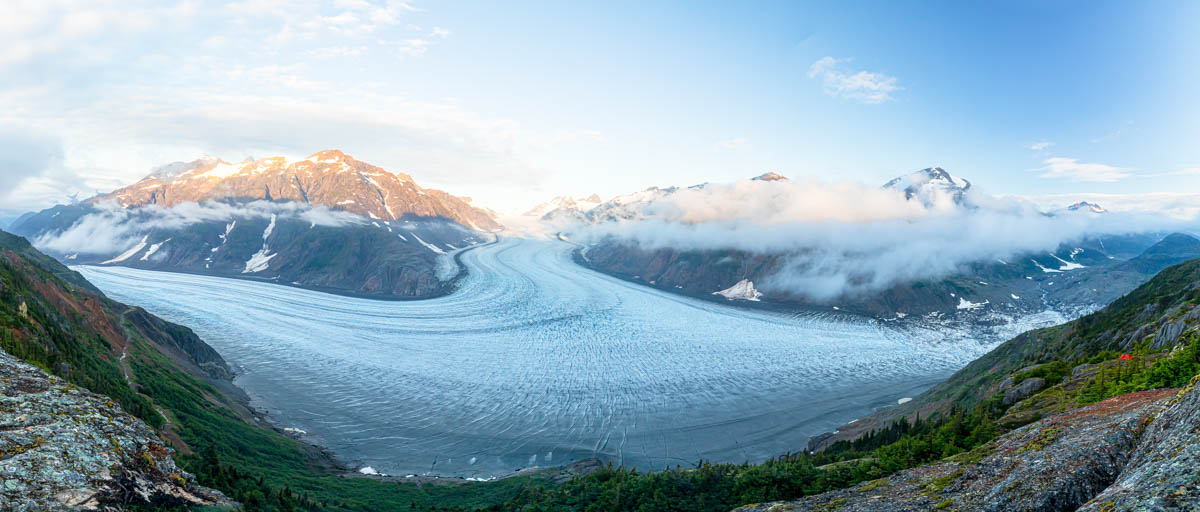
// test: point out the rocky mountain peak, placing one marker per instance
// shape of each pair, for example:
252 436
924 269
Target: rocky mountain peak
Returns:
770 176
932 185
330 156
1086 206
329 177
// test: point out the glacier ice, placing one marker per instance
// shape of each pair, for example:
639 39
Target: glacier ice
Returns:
537 356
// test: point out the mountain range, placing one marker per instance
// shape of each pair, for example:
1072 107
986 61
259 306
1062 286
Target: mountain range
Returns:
1076 277
330 178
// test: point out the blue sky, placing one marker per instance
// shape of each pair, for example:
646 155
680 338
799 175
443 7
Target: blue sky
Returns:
513 103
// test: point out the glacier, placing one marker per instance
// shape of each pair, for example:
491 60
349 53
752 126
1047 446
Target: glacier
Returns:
536 355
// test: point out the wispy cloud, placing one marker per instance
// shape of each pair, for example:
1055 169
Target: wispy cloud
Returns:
736 143
337 52
111 228
411 47
839 81
1040 145
1073 169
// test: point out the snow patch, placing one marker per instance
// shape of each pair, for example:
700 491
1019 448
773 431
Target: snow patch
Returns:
260 260
128 254
429 246
221 171
153 249
1044 269
1068 265
743 290
970 306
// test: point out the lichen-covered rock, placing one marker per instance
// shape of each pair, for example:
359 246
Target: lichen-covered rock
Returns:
1023 390
64 448
1056 464
1168 334
1164 472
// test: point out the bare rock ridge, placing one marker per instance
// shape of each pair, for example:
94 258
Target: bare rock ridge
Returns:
65 448
331 178
1139 451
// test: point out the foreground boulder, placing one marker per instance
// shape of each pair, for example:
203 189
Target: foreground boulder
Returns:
64 448
1164 473
1132 452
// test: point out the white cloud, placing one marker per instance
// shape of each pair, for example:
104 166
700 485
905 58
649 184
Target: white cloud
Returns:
1177 205
1040 145
412 47
112 228
736 143
836 239
337 52
1073 169
253 77
863 86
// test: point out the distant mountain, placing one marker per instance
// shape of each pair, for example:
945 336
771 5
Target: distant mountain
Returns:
410 258
770 176
328 222
1087 207
1175 248
1073 278
931 186
330 178
564 203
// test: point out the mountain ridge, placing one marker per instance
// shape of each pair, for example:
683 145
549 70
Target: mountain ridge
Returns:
329 177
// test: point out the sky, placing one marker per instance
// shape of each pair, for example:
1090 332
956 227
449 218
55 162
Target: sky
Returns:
514 103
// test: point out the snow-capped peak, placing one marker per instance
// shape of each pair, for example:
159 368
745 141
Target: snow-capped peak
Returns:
582 204
1086 206
931 186
173 170
328 156
770 176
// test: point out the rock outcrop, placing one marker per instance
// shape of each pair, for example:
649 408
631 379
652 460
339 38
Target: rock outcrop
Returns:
1164 472
64 448
1137 451
1023 390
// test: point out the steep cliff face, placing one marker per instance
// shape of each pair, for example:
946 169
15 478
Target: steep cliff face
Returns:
331 178
1132 452
64 448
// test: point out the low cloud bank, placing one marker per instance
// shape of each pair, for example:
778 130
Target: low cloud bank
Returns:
844 239
112 229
